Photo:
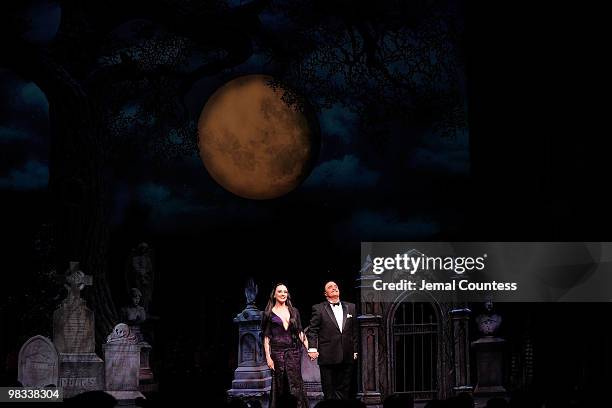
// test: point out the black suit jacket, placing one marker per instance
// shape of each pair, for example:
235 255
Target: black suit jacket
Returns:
334 347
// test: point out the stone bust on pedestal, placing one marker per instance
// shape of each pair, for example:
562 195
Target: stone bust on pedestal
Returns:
489 322
489 354
134 314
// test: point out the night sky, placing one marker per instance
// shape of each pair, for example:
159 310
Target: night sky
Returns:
433 135
394 162
368 189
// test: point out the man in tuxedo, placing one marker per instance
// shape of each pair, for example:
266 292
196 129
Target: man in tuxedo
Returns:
332 336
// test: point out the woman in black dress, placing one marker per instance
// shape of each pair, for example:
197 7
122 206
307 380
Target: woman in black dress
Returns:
283 337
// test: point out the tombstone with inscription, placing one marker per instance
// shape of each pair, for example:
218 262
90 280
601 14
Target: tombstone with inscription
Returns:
252 378
38 363
80 369
122 364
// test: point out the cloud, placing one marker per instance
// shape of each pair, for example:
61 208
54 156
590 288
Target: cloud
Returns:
255 63
31 95
153 194
387 225
10 134
450 155
338 121
276 20
131 110
453 161
167 204
44 17
34 175
18 96
345 173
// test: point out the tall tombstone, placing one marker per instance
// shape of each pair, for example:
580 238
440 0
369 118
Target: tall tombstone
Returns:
489 354
252 378
461 354
122 364
38 363
312 379
80 369
370 329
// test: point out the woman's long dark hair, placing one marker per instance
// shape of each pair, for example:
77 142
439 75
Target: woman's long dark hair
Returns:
295 325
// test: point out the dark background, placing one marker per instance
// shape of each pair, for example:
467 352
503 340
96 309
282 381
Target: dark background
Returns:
529 172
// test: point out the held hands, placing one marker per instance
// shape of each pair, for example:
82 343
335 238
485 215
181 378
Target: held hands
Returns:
315 354
270 363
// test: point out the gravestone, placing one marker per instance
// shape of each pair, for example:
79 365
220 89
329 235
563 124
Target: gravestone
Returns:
80 369
252 377
122 364
489 354
73 322
38 363
460 317
312 380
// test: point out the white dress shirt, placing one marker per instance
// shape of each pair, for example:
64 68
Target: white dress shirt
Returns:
339 314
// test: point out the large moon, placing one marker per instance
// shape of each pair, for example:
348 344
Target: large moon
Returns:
252 142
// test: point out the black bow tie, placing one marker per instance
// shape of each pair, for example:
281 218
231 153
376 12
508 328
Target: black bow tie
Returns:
335 304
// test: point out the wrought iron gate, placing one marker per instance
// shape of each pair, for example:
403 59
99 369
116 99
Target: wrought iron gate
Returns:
415 350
